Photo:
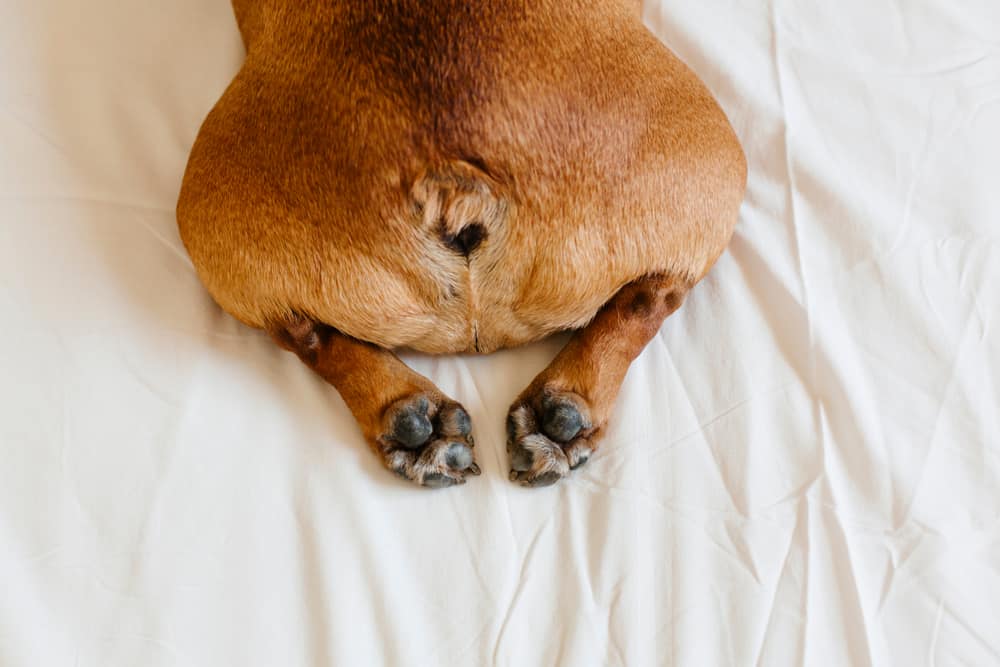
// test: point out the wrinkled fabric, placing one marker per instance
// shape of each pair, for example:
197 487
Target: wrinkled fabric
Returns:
804 464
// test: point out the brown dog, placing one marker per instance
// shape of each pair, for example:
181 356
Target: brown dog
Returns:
458 175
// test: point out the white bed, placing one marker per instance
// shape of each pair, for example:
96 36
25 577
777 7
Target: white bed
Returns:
804 466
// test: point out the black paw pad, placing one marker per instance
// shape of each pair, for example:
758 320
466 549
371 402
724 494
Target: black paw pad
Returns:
562 421
458 456
411 429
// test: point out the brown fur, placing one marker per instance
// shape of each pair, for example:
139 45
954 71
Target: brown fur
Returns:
456 175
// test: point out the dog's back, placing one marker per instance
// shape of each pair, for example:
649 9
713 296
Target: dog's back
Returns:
453 174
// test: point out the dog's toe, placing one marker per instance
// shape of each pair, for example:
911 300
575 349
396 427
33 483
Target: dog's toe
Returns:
454 420
578 453
535 460
436 480
458 456
561 418
545 479
412 430
520 458
411 426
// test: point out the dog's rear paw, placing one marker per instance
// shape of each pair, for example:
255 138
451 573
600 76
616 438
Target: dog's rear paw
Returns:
428 441
548 436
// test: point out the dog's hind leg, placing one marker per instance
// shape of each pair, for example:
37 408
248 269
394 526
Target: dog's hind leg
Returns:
554 424
418 432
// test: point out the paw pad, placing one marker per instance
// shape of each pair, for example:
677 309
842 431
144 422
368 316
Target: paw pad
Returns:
561 420
412 428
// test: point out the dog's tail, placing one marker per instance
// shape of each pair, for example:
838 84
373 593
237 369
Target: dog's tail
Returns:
461 204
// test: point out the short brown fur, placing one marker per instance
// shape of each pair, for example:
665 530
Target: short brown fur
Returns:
458 175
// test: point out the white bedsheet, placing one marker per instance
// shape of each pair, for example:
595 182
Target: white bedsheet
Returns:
804 468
